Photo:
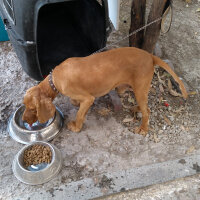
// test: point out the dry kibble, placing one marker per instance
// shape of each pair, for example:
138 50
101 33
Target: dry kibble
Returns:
37 154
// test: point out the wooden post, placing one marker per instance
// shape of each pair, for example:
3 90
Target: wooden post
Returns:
153 31
137 20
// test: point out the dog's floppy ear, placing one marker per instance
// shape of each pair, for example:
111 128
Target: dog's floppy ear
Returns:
45 109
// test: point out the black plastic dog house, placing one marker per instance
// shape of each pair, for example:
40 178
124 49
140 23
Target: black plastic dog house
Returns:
46 32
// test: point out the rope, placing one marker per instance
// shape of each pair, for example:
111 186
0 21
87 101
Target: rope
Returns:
143 27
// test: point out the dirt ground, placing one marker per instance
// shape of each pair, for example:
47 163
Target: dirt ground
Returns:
107 142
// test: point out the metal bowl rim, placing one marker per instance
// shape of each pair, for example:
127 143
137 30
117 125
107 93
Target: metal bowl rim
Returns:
12 120
23 136
31 144
48 179
20 178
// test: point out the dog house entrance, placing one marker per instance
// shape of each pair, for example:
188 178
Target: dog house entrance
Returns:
69 29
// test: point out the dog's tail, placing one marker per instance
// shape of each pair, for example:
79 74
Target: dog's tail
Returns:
165 66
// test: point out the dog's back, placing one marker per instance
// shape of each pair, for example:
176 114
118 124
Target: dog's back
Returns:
99 73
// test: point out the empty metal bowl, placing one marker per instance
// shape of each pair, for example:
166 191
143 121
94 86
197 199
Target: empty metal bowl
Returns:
24 133
38 175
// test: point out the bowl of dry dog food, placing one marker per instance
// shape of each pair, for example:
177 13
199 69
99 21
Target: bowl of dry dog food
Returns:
24 133
37 163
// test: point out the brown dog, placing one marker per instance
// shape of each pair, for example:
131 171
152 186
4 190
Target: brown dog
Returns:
83 79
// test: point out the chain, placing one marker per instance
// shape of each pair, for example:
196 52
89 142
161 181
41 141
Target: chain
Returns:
127 36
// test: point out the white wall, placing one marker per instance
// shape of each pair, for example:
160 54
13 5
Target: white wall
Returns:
114 6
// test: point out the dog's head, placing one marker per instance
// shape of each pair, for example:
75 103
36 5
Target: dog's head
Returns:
38 107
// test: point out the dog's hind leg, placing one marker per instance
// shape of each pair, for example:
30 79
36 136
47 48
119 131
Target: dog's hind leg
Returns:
141 95
75 102
85 103
136 109
122 89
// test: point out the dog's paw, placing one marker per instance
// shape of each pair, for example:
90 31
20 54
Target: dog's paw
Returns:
140 131
72 127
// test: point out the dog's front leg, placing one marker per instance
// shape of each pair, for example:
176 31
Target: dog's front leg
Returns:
85 103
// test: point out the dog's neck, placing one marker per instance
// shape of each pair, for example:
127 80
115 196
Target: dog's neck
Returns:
51 83
46 88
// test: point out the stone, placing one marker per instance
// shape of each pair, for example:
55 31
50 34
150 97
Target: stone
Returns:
139 115
115 100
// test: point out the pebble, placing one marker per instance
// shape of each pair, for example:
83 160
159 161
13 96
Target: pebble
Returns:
185 123
139 115
152 122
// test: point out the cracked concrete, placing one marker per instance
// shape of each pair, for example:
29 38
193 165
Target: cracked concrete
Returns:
180 189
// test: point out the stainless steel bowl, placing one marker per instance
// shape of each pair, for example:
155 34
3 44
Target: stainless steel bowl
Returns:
25 134
38 176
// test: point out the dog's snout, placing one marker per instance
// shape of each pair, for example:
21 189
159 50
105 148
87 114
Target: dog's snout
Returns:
29 116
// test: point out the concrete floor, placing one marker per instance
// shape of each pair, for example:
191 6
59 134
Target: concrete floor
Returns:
181 189
106 150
